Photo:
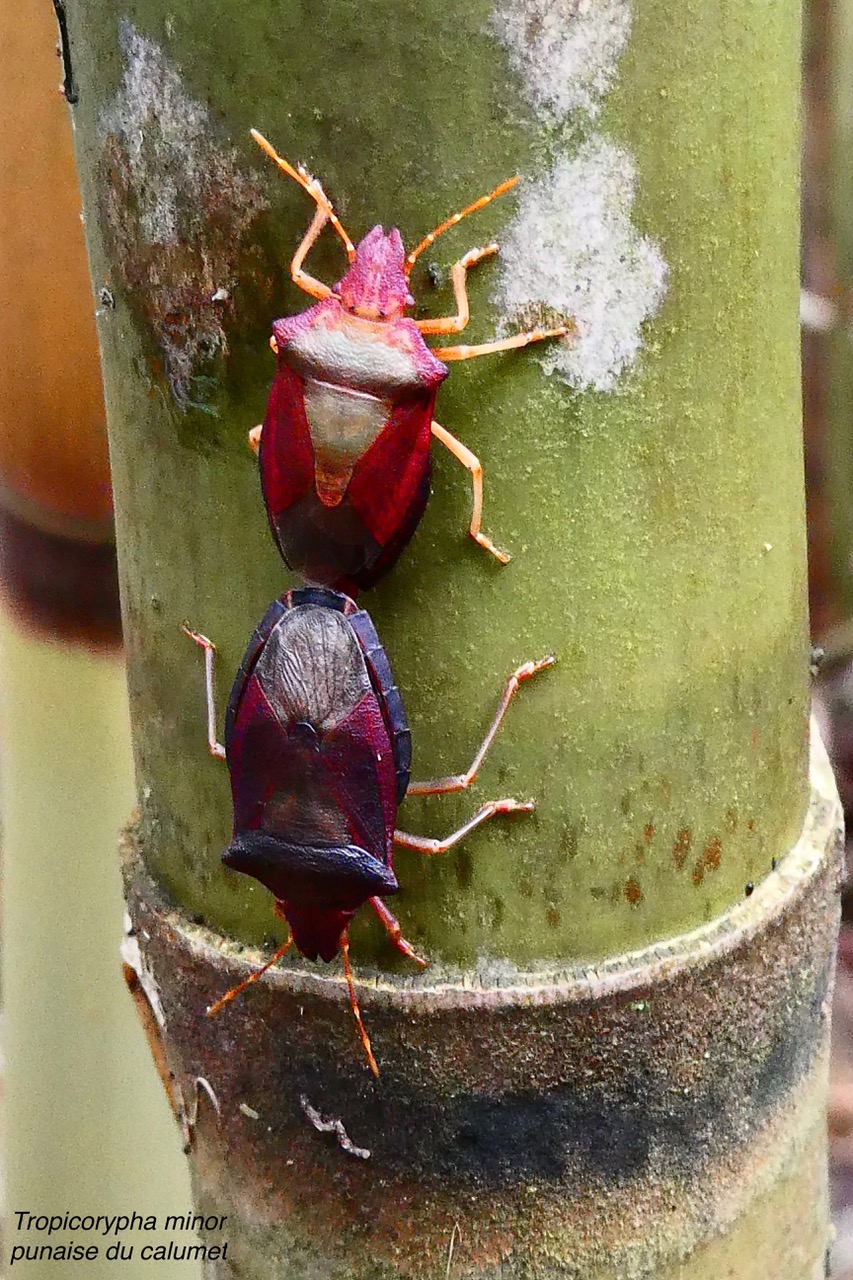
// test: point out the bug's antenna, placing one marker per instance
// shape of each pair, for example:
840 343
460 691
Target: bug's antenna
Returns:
247 982
457 217
365 1038
309 184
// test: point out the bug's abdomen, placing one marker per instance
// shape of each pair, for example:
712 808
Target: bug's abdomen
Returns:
345 477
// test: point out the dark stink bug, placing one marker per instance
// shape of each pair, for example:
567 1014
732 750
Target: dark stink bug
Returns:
345 445
318 750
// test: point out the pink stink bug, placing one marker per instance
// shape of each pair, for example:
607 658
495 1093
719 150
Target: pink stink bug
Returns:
345 445
318 750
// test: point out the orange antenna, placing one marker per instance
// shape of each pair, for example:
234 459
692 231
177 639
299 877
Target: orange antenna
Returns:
365 1038
457 217
309 184
247 982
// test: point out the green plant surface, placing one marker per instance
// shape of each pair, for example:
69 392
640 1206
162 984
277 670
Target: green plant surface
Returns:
656 530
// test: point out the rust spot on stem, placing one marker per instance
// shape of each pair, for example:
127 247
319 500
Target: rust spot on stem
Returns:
633 892
682 846
713 853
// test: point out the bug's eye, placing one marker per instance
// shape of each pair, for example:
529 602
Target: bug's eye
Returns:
382 313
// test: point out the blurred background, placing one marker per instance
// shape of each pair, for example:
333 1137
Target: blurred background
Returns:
827 346
86 1123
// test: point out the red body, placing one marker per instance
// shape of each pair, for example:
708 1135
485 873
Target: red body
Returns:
318 751
345 448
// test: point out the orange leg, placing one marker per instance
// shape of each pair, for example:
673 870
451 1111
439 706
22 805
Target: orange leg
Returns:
455 324
365 1039
314 189
472 463
424 844
301 278
461 781
395 933
247 982
501 344
213 745
457 217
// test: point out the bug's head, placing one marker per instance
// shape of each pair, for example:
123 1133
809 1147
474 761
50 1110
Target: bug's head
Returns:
376 287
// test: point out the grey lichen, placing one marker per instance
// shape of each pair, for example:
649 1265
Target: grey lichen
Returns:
176 206
566 51
573 249
572 252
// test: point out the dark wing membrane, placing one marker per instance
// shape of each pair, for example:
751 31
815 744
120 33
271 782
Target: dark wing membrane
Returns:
393 710
394 547
259 638
286 457
327 544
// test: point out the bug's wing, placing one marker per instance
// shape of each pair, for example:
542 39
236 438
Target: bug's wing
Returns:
336 787
351 542
359 774
257 755
247 665
310 754
286 456
390 485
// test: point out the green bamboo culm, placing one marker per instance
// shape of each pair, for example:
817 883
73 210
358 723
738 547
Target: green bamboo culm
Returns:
646 476
656 531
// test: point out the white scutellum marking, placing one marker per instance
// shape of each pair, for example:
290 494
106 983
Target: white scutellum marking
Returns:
566 51
573 248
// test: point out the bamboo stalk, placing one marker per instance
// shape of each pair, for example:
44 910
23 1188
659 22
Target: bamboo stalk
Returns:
648 480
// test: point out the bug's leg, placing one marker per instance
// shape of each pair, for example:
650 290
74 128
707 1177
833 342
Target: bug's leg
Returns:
312 186
455 324
365 1038
473 464
457 217
299 277
395 933
502 344
213 745
254 438
213 1009
424 844
460 781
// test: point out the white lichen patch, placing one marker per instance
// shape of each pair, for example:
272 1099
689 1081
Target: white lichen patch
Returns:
176 204
566 51
572 251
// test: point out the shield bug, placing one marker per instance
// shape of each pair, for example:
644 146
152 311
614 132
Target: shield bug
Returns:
318 749
345 445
